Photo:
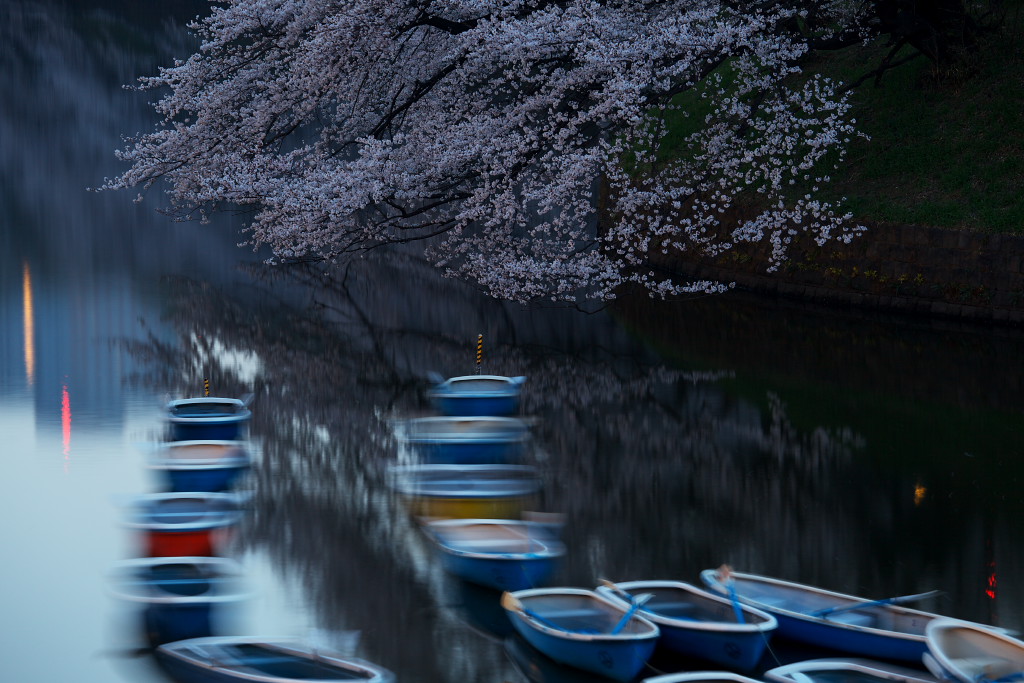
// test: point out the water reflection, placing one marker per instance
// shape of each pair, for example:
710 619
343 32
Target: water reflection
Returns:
866 455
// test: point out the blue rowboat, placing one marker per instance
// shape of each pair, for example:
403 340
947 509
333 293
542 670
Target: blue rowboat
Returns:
965 652
178 524
231 659
201 465
207 417
831 670
466 491
701 677
860 626
505 554
477 395
180 595
465 440
582 629
698 623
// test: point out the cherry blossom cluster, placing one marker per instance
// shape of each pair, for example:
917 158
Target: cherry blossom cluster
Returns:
523 143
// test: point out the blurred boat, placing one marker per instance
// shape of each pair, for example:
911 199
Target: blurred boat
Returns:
965 652
580 628
870 628
698 623
466 440
853 670
201 465
466 491
477 395
208 417
179 594
182 524
500 553
701 677
235 658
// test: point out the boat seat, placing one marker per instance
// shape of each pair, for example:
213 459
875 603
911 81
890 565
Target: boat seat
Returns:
853 619
986 667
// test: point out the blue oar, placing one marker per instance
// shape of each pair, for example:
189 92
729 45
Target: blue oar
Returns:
725 577
900 599
637 603
731 587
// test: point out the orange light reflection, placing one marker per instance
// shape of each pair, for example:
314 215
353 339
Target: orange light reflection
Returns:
29 324
65 422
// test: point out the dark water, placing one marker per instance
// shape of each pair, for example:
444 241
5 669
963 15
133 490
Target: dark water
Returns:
868 455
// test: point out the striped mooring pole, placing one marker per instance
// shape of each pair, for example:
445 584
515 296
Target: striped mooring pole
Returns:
479 351
206 386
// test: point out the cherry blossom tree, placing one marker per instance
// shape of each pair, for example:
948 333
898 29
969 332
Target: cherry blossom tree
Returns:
525 144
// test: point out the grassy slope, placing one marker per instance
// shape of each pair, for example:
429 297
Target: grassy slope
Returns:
943 151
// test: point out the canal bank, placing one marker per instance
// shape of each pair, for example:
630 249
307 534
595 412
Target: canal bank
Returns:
899 268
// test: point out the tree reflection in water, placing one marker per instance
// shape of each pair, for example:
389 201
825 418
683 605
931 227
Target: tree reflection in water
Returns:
660 472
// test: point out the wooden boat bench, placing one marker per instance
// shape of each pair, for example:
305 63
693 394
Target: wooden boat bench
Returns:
986 667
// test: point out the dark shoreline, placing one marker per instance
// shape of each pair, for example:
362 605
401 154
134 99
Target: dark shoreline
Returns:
921 271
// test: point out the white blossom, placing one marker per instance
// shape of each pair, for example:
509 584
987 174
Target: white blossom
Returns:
523 141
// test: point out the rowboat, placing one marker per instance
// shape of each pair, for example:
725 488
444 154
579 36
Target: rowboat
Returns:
466 491
506 554
201 465
831 670
230 659
207 417
465 440
701 677
965 652
477 395
180 595
860 626
582 629
182 524
697 623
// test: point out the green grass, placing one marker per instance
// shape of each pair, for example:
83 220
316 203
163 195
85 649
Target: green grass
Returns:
945 149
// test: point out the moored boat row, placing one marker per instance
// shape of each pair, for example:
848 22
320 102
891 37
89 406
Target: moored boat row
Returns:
184 582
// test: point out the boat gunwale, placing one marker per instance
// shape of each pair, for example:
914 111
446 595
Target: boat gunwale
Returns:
889 671
180 650
652 634
808 618
234 575
694 676
446 389
768 624
551 548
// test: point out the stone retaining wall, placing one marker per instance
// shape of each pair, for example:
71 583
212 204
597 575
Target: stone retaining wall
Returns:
931 271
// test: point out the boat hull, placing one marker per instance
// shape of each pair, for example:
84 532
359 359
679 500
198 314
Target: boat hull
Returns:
234 659
179 596
505 554
467 491
589 643
700 624
854 631
183 524
477 395
182 478
509 574
207 418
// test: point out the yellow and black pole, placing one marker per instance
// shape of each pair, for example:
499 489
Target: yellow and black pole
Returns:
206 386
479 351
